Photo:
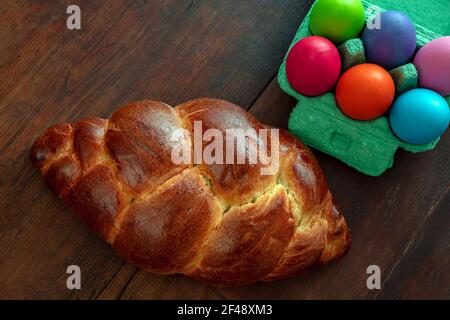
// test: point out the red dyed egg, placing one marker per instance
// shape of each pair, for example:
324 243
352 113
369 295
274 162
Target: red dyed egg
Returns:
313 66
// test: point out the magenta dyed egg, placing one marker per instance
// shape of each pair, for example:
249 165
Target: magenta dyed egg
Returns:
313 66
433 64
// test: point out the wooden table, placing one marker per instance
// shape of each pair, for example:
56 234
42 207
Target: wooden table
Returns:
174 51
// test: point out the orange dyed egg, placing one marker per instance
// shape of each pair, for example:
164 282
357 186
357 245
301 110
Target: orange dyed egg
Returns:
365 92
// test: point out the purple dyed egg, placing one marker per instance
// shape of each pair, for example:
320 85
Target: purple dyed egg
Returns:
391 43
433 64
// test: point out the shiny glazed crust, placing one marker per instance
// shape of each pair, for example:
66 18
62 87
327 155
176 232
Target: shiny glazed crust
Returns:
224 224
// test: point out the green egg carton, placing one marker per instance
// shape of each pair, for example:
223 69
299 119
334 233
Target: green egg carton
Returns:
368 146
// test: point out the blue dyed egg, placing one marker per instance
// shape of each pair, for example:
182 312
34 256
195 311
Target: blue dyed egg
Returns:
393 42
419 116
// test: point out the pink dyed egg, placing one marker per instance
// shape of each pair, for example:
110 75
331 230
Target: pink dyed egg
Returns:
433 64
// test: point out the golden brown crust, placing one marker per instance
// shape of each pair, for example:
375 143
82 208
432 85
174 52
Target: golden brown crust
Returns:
248 242
224 224
164 231
233 183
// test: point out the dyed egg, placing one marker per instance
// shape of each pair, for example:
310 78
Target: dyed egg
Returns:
337 20
393 43
365 91
433 64
313 66
419 116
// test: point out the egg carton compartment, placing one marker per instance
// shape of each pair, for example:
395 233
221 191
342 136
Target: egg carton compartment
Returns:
405 78
352 53
368 146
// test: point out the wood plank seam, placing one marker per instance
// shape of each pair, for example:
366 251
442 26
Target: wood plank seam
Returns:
109 281
122 291
260 93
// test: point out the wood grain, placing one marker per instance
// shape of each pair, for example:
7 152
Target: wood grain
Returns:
175 51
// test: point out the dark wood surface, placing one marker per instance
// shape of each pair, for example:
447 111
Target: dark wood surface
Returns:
175 51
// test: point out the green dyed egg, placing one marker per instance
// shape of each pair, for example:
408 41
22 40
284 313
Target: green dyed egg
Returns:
337 20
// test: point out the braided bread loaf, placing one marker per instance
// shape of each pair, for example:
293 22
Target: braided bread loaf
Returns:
224 224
